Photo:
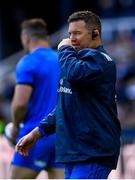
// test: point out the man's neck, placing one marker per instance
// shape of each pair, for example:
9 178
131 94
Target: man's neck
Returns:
39 44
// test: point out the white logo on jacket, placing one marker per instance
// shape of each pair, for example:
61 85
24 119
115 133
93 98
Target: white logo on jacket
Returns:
63 88
61 81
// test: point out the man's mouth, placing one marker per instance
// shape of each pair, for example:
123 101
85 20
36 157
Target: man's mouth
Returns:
76 46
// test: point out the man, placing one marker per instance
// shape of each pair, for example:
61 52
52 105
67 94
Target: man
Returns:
85 119
37 75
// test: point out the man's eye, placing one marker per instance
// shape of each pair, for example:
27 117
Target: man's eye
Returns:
78 33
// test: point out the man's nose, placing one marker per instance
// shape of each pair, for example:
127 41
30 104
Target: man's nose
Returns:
73 38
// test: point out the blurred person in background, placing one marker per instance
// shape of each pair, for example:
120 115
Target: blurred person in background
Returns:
85 118
37 75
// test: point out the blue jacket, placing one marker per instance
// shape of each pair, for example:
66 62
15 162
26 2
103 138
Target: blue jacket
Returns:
85 119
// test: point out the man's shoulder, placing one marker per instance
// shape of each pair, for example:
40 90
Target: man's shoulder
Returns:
25 61
24 58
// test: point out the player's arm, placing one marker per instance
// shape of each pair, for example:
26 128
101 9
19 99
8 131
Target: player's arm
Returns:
21 97
19 103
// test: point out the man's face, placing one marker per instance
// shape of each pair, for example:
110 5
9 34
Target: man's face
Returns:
80 36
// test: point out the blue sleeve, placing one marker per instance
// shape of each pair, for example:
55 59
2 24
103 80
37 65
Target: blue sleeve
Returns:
25 71
79 66
48 124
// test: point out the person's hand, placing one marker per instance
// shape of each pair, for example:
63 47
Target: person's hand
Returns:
11 132
66 41
27 142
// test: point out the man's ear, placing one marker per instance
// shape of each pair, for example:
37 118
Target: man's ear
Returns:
27 38
95 33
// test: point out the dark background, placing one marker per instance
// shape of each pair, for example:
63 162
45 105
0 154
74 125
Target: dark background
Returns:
55 13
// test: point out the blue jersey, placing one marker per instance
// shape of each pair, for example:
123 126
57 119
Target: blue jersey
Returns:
39 69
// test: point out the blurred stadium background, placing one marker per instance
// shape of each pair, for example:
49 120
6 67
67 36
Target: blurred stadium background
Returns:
118 18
